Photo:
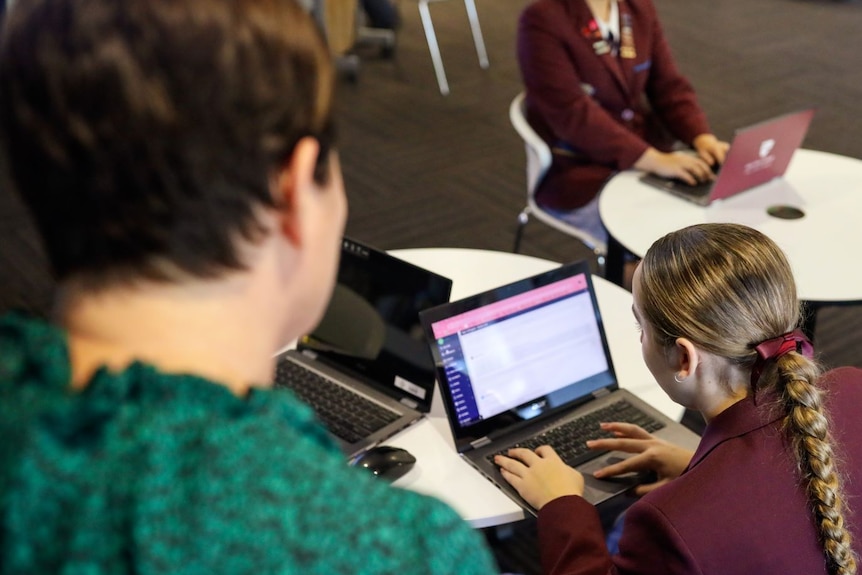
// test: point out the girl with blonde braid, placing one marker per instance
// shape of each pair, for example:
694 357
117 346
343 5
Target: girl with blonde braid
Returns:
773 484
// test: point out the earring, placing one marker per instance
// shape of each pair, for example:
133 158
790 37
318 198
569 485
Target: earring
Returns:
677 378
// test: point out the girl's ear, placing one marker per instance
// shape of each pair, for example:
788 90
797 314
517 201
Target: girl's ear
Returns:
687 357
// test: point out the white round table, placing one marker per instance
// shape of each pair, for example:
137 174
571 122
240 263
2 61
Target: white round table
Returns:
821 246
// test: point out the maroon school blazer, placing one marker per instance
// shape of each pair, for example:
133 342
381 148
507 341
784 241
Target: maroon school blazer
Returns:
737 510
598 112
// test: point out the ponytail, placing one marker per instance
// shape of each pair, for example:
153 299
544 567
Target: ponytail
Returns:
807 428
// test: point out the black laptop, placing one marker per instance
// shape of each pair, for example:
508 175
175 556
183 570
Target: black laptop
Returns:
366 369
528 364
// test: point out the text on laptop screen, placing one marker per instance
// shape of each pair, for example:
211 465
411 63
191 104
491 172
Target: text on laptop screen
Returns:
528 353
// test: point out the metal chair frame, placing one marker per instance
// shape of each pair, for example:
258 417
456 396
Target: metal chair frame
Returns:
431 37
538 162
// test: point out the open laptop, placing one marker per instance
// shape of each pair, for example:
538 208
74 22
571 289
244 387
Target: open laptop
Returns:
757 154
366 369
517 362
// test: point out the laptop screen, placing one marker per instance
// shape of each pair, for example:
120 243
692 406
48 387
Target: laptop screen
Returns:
371 327
520 351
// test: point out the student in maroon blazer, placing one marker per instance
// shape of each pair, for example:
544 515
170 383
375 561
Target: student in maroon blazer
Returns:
607 104
775 484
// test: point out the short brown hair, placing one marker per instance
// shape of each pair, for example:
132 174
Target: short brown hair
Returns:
142 134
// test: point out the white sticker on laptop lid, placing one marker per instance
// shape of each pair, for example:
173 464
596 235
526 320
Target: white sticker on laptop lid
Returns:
410 388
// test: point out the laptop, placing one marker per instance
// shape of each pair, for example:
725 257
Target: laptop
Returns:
366 369
517 362
757 154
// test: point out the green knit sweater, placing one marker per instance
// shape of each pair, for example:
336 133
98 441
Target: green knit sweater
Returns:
147 472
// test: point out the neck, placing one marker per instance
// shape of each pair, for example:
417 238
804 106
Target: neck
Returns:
721 386
712 410
226 330
601 9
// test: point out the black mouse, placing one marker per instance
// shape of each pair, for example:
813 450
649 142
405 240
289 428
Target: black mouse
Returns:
385 461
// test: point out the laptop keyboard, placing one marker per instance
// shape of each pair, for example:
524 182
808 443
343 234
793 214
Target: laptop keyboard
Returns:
569 439
346 414
699 188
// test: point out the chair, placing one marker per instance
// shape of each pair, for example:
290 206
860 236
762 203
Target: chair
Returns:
384 14
336 19
538 162
431 37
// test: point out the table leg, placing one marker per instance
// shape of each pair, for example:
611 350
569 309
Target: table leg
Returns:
615 262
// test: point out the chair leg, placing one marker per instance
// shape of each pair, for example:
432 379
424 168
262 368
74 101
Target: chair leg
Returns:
348 64
615 262
477 32
523 218
431 37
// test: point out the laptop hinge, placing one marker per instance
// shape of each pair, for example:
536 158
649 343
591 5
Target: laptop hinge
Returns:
481 442
601 392
409 402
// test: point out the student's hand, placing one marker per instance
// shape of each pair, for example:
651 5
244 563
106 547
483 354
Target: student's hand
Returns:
681 165
711 149
667 460
539 476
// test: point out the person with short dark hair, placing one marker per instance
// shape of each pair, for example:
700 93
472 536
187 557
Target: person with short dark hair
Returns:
178 159
774 486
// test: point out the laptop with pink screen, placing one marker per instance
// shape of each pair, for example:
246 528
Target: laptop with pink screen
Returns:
758 154
528 364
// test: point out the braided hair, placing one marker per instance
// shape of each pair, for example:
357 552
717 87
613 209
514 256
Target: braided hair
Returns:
727 288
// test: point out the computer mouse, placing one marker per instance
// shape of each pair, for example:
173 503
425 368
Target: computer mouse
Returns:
385 461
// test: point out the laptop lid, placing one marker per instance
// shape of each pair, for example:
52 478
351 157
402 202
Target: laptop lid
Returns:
371 329
758 153
761 153
518 353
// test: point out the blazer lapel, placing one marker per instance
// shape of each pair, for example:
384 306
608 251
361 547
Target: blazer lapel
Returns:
626 63
589 34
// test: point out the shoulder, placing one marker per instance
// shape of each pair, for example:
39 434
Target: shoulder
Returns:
269 481
843 389
423 531
746 464
342 509
843 393
289 477
842 376
33 352
224 483
546 12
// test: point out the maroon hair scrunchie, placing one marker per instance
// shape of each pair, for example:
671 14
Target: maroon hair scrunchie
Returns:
772 349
